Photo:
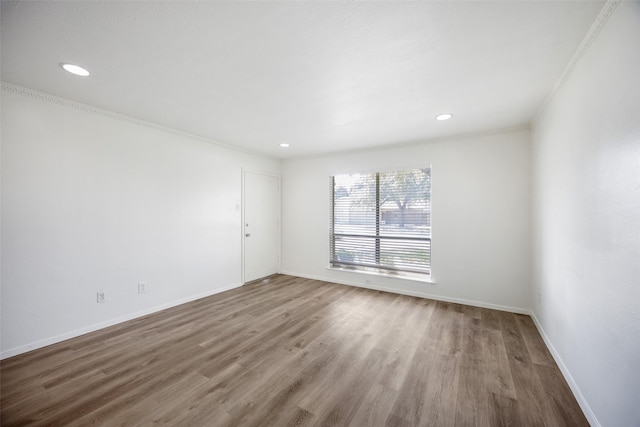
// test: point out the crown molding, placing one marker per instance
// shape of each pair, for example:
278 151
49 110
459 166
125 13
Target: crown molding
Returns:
591 36
417 143
78 106
62 102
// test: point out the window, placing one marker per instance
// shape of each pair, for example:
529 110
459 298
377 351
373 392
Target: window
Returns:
381 222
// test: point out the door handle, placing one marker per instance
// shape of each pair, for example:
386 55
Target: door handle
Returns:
247 234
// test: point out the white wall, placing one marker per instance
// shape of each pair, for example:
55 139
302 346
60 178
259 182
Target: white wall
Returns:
480 215
586 214
91 201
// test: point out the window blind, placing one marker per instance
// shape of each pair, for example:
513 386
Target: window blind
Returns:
382 221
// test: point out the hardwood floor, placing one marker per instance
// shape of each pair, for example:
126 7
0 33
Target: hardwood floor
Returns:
293 352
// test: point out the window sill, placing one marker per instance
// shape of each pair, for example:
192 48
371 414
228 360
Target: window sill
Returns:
414 277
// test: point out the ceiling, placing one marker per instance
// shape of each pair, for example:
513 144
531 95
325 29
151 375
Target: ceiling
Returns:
321 76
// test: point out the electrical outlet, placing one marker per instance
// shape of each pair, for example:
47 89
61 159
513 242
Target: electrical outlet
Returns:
101 296
142 288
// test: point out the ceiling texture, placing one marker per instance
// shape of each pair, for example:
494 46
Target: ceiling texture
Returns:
321 76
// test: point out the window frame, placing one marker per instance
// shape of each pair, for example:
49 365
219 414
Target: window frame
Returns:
377 267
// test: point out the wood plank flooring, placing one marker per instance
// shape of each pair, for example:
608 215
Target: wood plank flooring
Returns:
294 352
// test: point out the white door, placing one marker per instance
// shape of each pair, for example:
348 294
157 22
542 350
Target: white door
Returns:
261 225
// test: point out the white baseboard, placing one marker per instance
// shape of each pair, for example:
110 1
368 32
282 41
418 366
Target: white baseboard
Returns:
82 331
415 294
584 405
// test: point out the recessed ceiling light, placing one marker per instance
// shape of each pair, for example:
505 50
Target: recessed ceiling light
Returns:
284 145
445 116
75 69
